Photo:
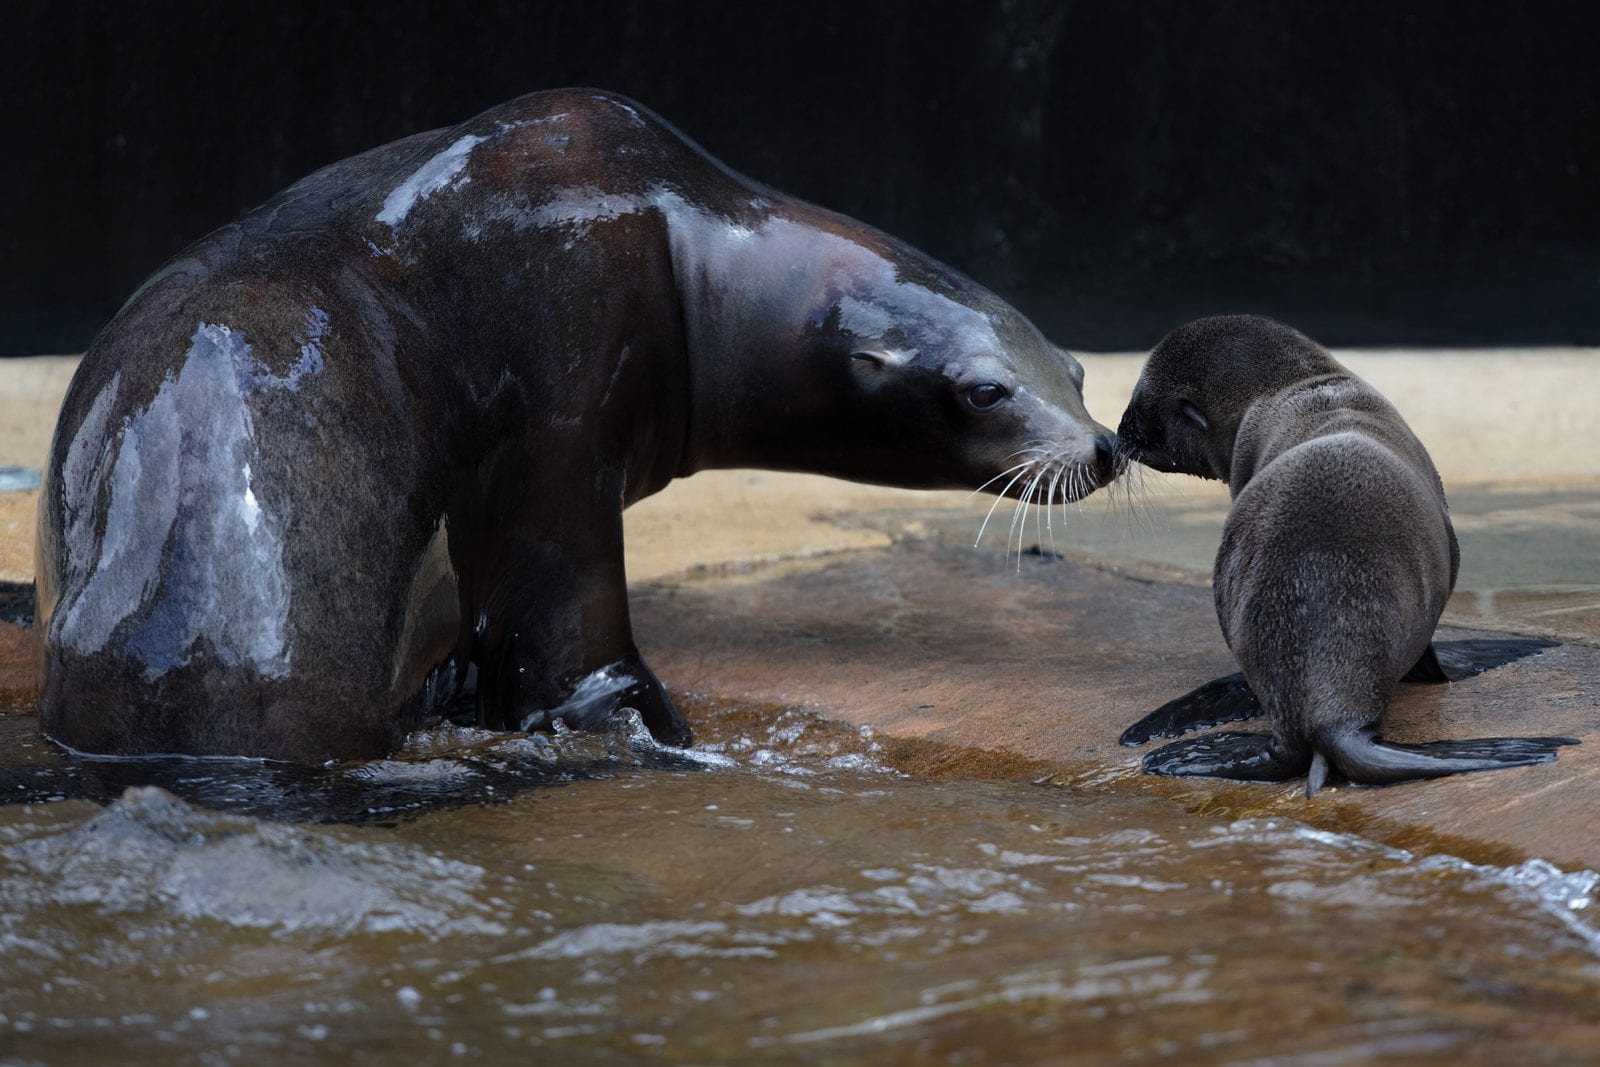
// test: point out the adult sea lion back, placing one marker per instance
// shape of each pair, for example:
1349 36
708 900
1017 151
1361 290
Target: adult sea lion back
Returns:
383 428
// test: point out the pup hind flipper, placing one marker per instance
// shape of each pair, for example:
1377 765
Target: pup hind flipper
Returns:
1365 758
1228 699
1455 661
1361 756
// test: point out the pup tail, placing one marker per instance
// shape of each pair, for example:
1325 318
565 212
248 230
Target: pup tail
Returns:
1365 758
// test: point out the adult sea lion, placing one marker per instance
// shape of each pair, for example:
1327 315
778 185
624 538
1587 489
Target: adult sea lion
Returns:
1336 561
384 426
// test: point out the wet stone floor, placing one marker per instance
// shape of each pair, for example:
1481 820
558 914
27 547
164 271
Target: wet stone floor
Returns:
783 894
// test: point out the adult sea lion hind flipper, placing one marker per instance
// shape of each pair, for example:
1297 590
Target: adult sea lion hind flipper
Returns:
1455 661
1365 758
1246 757
1227 699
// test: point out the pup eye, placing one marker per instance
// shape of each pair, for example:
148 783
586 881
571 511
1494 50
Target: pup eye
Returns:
1194 415
986 395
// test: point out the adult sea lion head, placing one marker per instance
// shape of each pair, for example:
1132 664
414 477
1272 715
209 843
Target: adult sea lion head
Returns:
877 364
1200 380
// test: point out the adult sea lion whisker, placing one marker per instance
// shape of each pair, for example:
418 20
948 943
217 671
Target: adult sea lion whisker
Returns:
1000 496
1024 501
1002 474
1017 511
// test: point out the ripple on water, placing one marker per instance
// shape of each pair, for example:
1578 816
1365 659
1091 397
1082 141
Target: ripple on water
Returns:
776 896
1311 864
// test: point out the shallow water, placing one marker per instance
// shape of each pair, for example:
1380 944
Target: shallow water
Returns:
779 896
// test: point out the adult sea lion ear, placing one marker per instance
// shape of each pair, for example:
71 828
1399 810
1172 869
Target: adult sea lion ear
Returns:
884 358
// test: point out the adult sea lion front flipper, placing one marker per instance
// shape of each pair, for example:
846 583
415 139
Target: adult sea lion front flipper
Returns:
556 640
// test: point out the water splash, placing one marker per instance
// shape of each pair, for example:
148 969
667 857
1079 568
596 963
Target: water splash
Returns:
148 850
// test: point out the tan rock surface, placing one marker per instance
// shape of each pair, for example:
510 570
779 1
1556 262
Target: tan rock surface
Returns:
30 395
1050 663
17 513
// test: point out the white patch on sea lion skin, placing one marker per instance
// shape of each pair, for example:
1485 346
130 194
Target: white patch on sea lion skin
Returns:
794 266
426 180
82 471
186 547
776 256
570 207
864 319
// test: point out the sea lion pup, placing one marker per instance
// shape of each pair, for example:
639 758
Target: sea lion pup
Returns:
1336 561
382 429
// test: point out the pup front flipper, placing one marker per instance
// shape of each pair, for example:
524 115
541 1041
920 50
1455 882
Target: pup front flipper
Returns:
1455 661
1227 699
1245 757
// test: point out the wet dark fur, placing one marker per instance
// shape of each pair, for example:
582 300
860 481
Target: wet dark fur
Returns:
1336 560
377 435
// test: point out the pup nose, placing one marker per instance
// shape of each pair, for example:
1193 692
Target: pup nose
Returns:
1129 429
1105 457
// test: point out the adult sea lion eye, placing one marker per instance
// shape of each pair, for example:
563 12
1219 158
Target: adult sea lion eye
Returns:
986 395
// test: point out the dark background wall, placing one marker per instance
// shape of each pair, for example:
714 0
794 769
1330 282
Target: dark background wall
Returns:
1416 172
